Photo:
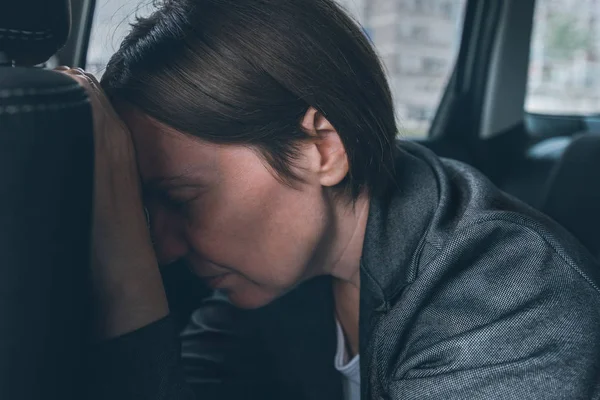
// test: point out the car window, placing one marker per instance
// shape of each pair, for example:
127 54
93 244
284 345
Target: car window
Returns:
418 41
564 67
111 22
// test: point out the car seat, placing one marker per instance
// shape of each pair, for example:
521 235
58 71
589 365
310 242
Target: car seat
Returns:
46 182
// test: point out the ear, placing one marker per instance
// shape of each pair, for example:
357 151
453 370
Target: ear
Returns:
331 161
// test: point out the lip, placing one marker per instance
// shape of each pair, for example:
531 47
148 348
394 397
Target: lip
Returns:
216 281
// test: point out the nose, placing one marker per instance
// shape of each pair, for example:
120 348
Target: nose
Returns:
168 234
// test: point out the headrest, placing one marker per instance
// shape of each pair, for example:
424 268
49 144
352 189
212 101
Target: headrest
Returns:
21 88
31 31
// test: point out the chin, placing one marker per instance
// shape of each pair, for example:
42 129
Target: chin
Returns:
250 299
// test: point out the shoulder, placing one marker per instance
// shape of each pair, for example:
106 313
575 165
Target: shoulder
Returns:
502 294
484 290
523 243
505 283
507 256
448 221
475 220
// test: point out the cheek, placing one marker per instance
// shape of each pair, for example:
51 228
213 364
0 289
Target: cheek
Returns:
265 231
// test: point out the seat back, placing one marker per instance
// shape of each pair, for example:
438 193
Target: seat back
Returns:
573 193
46 181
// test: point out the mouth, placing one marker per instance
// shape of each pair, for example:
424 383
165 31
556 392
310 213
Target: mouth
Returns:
211 273
216 281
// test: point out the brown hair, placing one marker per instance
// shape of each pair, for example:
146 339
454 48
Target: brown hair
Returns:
246 71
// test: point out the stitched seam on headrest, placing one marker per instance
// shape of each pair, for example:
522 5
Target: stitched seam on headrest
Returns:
40 33
23 108
21 92
11 37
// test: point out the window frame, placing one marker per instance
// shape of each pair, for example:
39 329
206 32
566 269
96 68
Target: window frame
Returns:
74 52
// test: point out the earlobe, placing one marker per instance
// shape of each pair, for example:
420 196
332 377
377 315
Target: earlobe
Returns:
333 160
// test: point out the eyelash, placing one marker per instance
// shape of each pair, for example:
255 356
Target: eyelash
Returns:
177 204
168 201
180 205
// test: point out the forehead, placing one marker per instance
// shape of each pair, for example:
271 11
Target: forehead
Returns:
162 150
164 153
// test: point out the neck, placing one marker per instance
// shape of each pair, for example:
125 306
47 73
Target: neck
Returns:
351 226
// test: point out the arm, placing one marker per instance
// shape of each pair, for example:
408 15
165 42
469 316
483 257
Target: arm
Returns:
127 287
144 364
215 357
137 354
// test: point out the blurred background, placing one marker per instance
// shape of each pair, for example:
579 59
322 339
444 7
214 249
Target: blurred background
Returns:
418 41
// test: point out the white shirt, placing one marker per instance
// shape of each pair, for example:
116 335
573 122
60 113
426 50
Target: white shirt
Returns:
350 369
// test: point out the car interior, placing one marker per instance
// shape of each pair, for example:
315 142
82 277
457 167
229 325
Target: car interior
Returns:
550 160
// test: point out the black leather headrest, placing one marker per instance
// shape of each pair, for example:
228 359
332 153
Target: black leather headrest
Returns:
31 31
24 88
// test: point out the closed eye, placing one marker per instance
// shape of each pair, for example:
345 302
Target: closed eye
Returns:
174 200
179 203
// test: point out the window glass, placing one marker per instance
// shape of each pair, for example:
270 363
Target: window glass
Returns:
109 27
564 67
417 40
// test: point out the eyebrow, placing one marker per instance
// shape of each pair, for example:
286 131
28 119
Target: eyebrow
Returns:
171 182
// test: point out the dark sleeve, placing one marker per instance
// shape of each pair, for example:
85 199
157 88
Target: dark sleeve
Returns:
144 364
511 316
215 357
225 357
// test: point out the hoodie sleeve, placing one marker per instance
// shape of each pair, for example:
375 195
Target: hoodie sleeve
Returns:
215 357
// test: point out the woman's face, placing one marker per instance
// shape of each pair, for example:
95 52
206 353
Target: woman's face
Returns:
222 210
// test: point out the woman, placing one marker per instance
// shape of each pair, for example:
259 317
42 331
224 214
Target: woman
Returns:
264 135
